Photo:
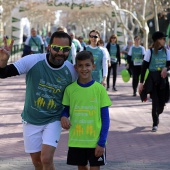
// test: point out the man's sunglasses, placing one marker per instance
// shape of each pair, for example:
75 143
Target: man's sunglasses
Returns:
57 48
93 36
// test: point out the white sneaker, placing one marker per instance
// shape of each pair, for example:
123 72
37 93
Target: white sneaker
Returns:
155 128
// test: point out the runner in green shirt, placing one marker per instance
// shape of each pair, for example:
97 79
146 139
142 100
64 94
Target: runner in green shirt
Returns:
86 115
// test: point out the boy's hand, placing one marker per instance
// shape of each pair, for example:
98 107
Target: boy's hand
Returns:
65 123
99 151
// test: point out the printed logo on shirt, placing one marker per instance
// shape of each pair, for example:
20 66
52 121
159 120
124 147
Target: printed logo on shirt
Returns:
100 159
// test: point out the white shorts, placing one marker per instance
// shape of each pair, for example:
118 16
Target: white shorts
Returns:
35 136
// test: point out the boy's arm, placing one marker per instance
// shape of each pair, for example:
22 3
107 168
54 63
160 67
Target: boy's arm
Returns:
104 131
105 126
65 122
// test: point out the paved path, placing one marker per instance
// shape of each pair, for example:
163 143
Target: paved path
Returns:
131 144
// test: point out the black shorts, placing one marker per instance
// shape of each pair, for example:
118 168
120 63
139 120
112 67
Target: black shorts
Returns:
84 156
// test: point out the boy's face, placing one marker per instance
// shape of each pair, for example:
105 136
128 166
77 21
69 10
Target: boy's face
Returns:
84 69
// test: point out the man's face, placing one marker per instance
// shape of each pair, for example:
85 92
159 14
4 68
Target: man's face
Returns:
72 36
58 58
33 32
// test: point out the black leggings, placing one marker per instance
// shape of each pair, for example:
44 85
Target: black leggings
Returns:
113 67
136 71
158 103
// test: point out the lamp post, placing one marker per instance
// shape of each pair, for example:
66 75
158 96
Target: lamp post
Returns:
1 23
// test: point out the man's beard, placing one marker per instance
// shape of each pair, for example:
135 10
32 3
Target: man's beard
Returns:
58 62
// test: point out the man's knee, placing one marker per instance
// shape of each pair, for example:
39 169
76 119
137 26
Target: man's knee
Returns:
46 159
36 159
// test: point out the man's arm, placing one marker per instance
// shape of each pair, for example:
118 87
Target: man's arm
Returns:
8 71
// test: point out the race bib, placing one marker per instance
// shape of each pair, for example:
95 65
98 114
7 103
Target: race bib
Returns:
137 62
113 59
34 48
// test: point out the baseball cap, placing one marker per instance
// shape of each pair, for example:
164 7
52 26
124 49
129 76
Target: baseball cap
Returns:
157 35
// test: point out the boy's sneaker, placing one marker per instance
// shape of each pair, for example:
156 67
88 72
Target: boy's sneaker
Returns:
155 128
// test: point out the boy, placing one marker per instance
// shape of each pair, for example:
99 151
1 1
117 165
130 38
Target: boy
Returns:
86 103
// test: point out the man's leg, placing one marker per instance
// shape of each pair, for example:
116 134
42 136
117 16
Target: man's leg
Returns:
47 155
50 137
36 160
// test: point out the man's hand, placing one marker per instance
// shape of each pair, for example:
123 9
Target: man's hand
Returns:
99 151
5 52
65 123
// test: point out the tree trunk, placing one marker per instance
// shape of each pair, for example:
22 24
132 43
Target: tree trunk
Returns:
145 33
156 16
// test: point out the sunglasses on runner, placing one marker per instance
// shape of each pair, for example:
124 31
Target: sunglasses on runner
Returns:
58 48
93 36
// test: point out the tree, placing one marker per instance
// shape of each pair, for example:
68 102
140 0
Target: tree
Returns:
137 13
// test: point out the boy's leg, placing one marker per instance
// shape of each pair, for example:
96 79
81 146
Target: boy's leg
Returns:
82 167
86 168
95 168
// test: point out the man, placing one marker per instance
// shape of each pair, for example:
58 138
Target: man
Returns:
72 54
76 42
83 44
34 43
47 76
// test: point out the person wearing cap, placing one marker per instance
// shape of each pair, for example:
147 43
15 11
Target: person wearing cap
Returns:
157 60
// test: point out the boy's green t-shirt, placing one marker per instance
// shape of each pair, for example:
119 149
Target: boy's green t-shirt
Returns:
85 113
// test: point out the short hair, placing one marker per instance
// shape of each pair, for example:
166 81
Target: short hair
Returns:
137 36
84 55
62 28
60 34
